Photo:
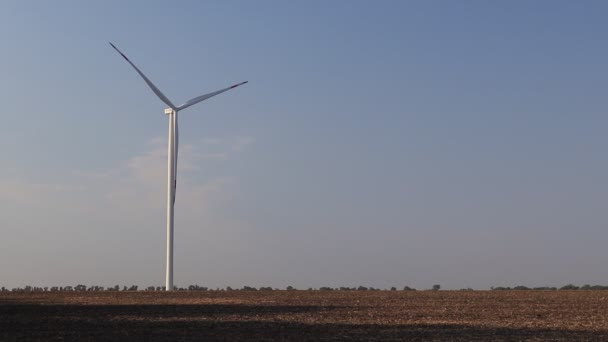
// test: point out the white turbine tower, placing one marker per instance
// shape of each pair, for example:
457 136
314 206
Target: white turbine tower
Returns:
172 158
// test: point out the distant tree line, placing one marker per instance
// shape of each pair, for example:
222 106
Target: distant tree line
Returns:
94 288
568 287
83 288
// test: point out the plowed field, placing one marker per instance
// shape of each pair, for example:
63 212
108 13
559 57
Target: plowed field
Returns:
306 316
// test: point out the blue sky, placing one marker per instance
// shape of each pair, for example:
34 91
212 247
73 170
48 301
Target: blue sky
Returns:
381 143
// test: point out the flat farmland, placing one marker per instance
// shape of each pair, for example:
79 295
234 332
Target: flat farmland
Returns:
305 316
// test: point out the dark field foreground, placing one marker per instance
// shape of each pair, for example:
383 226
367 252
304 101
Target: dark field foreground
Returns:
306 316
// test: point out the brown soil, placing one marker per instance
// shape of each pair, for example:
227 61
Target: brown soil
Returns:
306 316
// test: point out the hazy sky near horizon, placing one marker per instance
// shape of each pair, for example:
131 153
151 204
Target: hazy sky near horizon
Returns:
378 143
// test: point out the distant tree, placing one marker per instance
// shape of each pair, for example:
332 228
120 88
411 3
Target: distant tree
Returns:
407 288
267 288
521 288
393 288
362 288
569 287
290 288
599 287
436 287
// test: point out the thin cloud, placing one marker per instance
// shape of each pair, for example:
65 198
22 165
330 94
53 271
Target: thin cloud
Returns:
140 180
24 192
241 142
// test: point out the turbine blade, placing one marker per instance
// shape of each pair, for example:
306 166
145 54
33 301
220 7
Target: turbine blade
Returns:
176 145
206 96
156 91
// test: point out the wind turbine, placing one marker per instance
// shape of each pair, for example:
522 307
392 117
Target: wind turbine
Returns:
172 157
